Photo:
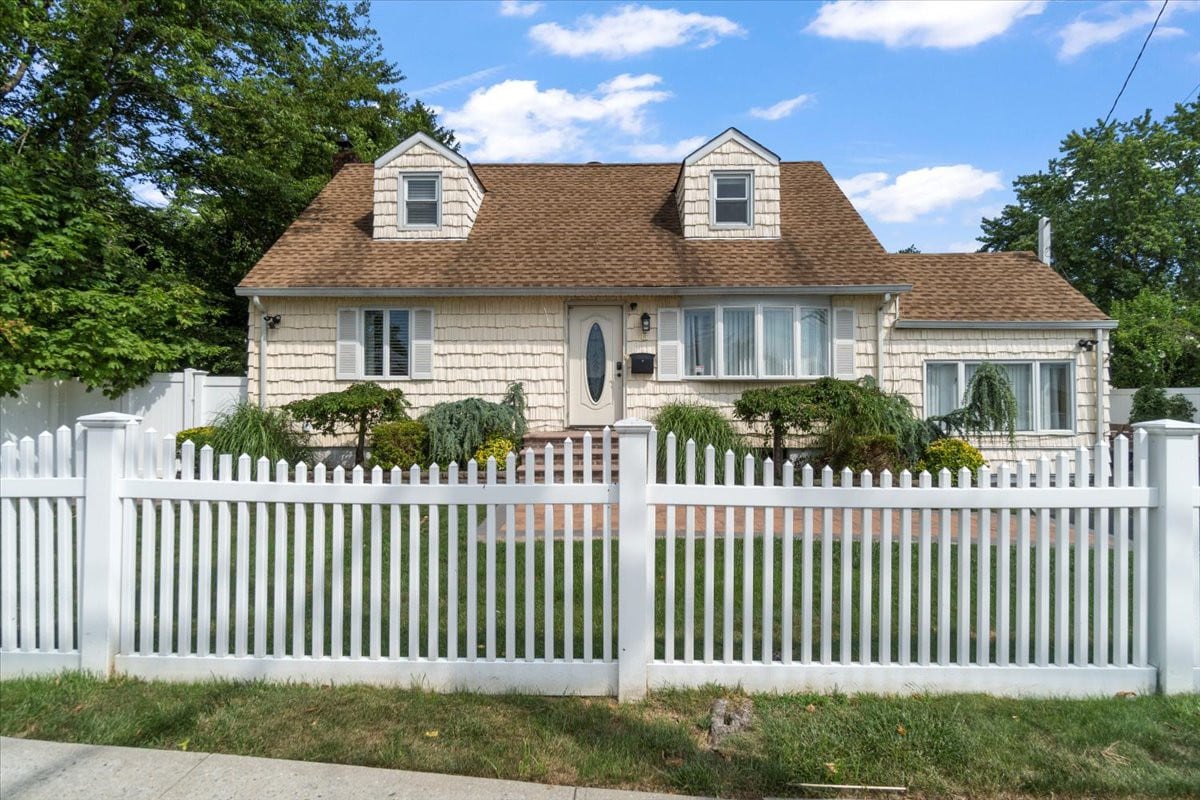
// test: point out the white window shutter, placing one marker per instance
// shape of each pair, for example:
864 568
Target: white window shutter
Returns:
422 343
843 344
670 344
348 344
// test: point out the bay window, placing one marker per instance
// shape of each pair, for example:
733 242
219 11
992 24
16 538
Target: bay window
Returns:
756 341
1044 390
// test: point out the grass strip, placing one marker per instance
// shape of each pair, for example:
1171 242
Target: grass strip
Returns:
938 746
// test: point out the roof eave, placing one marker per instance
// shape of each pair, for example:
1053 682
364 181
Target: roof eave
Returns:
562 291
1017 325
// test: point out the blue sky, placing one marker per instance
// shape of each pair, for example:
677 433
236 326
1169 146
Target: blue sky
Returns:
924 112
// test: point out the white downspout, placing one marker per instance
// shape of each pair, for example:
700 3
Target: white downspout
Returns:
262 353
879 364
1101 386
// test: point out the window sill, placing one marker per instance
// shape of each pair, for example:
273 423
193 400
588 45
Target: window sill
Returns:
754 378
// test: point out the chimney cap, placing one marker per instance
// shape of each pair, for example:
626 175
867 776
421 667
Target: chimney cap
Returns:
343 143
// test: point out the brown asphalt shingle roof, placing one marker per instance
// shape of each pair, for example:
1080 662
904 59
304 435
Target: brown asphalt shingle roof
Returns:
992 287
615 226
576 225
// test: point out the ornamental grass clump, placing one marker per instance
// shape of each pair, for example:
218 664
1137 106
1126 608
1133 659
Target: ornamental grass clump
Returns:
705 425
259 432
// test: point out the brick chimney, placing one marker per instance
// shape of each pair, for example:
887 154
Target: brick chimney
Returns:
345 154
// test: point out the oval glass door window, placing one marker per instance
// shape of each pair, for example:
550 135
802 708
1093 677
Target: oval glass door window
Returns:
596 362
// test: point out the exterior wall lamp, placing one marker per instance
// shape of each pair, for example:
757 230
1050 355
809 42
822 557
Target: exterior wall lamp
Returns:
645 322
1087 345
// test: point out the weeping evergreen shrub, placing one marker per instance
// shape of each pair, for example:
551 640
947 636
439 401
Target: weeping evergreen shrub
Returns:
705 425
989 406
458 429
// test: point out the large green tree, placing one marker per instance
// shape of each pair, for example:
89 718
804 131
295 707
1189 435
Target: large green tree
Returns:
1124 199
231 109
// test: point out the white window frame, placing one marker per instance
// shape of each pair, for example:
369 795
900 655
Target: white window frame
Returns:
749 199
387 344
403 194
1035 410
797 308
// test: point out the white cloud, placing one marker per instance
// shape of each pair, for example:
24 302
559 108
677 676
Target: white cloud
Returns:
783 108
921 23
1084 34
666 152
516 8
917 192
971 246
462 80
149 195
515 120
631 30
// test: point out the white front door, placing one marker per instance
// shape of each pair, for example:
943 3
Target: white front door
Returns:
595 364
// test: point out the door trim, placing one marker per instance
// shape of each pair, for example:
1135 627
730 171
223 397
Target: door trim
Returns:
618 383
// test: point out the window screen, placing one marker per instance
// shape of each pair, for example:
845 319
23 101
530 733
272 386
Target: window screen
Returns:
731 201
421 200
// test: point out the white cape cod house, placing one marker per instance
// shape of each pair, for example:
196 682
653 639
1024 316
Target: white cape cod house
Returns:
610 289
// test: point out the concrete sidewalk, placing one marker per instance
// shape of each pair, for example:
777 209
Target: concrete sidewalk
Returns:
32 769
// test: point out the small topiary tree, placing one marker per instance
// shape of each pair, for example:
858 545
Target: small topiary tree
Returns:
782 409
1152 402
355 410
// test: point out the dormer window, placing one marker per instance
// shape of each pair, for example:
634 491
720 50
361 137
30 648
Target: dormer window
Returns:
422 200
732 199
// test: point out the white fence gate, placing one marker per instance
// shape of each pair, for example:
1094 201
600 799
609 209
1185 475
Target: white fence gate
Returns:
121 553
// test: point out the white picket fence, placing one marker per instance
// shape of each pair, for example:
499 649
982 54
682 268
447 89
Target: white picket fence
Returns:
120 553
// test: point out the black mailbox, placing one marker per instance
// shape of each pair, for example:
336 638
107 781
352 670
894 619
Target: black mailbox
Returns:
641 363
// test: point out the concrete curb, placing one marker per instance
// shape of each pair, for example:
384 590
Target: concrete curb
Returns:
37 770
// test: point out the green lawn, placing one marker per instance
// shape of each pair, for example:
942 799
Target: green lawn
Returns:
938 746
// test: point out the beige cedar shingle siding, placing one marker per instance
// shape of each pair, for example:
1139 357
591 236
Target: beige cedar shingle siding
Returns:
461 195
695 193
909 349
483 344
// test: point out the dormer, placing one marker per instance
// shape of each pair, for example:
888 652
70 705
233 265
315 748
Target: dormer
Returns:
425 190
729 189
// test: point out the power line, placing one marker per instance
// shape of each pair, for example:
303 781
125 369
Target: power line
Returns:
1108 116
1189 94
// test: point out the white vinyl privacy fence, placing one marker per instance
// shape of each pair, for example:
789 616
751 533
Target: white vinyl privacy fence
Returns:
554 573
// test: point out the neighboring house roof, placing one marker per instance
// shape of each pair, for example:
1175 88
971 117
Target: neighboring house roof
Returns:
576 226
1009 288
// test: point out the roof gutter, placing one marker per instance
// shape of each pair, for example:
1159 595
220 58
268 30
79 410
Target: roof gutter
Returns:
1024 325
565 291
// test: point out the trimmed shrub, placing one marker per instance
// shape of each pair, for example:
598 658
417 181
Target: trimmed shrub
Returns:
838 413
198 436
497 447
951 454
704 424
1152 402
876 453
258 432
399 444
458 429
